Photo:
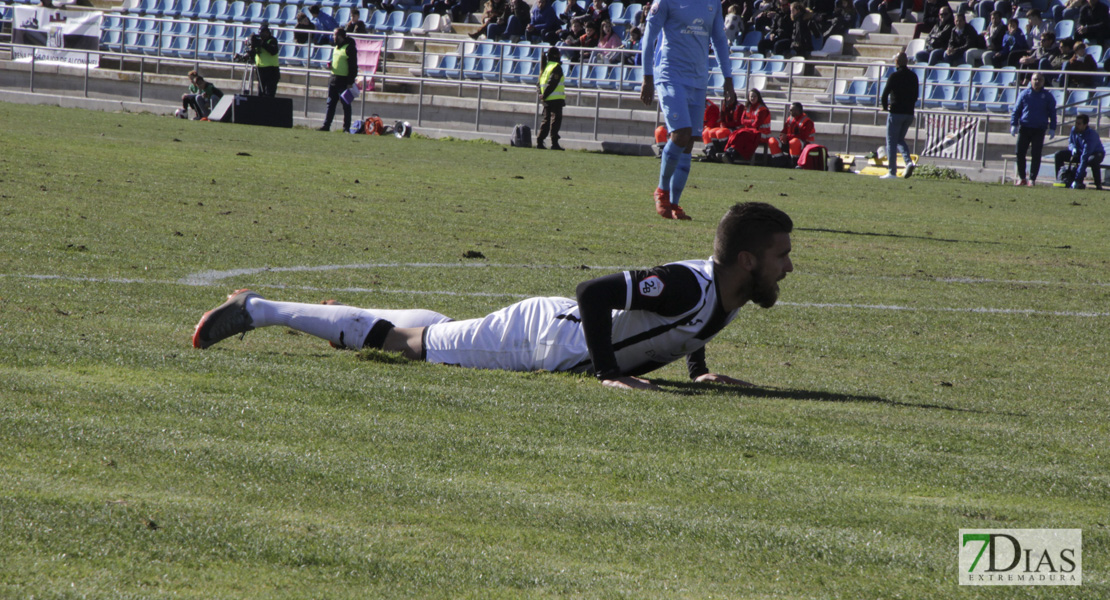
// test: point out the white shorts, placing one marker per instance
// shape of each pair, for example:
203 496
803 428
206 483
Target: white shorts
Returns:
531 335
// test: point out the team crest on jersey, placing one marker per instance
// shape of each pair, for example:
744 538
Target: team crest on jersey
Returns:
651 287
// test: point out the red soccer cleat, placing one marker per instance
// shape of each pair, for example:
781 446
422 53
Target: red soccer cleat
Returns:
663 203
678 214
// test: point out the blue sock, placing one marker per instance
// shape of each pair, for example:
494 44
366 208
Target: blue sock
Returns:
671 155
678 180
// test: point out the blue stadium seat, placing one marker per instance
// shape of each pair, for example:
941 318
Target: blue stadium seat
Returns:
750 42
1004 102
447 67
633 79
1065 29
959 101
393 19
217 11
855 88
616 11
1078 98
254 13
237 12
983 97
628 16
412 21
1102 105
377 21
938 93
196 11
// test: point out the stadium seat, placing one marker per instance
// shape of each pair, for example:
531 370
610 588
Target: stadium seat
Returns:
938 93
376 22
342 15
1101 105
633 79
393 19
412 21
1004 102
914 46
146 8
1065 29
594 74
217 11
628 17
872 23
287 15
253 14
616 11
834 46
983 97
938 73
775 66
978 23
430 24
750 42
560 6
1076 98
199 8
959 101
237 12
854 89
716 83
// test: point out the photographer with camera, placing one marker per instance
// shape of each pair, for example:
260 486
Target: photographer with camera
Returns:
263 50
344 70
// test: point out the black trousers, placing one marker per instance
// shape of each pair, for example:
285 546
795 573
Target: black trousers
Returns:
336 86
1030 139
552 121
1094 162
268 78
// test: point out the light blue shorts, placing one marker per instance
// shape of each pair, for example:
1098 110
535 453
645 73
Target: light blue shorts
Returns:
682 106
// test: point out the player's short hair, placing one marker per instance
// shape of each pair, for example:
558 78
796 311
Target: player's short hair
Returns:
748 226
1084 119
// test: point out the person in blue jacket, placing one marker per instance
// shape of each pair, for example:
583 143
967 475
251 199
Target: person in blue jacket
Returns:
1084 148
677 70
1034 113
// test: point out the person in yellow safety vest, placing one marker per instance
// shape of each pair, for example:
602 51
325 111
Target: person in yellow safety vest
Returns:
554 99
264 48
344 69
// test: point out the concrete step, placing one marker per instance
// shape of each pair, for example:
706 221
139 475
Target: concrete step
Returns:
889 39
875 52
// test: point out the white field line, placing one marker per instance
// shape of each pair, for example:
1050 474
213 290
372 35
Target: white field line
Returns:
213 278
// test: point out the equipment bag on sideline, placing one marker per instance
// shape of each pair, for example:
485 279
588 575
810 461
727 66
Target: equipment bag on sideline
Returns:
522 137
815 157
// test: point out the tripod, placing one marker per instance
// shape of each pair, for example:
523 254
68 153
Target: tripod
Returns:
250 75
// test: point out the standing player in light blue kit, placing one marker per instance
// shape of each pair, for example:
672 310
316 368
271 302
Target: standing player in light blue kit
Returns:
682 64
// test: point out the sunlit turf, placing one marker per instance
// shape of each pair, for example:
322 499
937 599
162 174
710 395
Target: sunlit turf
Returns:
938 361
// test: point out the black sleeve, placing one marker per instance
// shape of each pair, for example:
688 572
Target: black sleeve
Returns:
597 299
352 60
669 290
695 363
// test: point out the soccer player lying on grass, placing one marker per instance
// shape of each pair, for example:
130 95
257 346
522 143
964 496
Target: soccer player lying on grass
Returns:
622 326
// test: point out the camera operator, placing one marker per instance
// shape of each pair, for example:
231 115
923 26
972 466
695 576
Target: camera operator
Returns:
263 49
344 70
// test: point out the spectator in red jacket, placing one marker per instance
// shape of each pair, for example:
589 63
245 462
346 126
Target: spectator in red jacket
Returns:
797 131
754 131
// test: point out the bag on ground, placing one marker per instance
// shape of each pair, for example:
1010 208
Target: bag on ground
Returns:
522 137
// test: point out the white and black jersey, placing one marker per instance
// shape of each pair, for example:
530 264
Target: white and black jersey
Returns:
629 323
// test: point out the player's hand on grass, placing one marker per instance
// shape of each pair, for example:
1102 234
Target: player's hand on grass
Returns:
630 383
718 378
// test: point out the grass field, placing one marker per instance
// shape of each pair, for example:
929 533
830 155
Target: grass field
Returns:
939 360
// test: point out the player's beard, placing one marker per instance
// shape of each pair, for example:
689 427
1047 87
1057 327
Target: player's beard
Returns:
764 292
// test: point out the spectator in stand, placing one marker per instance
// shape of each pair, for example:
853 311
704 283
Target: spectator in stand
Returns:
734 24
990 40
1069 11
930 16
552 94
842 19
494 14
1094 22
938 37
355 24
781 33
979 8
344 70
323 22
202 96
801 40
754 130
1033 114
590 38
572 38
1046 57
1036 26
575 10
304 25
608 40
960 40
544 24
1013 43
883 7
1079 68
514 24
632 43
1084 148
899 98
719 121
461 9
598 12
797 132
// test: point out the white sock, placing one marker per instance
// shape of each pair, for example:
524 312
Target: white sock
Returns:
341 325
416 317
